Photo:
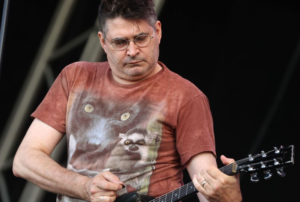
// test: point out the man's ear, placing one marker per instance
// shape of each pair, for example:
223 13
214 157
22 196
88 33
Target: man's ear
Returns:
102 40
158 30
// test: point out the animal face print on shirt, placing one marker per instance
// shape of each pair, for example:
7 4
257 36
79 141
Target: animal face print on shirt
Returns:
120 136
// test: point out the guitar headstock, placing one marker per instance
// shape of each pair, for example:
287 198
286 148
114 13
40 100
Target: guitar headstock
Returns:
265 162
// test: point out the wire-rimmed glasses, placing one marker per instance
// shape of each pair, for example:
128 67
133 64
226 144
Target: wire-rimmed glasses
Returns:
122 44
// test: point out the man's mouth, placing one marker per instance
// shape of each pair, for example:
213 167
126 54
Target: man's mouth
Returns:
134 62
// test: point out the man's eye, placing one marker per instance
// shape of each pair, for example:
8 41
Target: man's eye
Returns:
120 42
141 38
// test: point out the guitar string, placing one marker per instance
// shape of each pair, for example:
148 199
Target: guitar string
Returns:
184 192
166 195
180 190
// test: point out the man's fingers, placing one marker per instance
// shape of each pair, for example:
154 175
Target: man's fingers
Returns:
212 174
215 179
197 180
107 181
226 160
95 192
111 177
104 198
205 180
203 186
220 179
108 186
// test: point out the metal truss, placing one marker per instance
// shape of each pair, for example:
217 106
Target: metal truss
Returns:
39 72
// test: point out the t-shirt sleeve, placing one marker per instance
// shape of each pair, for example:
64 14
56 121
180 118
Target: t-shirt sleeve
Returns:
195 132
52 110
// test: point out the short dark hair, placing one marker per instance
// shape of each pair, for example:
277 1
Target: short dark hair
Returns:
127 9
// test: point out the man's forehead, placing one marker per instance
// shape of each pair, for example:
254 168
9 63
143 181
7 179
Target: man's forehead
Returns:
120 27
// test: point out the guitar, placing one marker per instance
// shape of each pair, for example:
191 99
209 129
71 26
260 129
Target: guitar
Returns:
265 162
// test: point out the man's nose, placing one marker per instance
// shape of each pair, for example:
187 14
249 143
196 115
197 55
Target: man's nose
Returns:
132 49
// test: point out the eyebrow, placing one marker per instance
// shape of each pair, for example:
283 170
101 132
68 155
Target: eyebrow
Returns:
140 34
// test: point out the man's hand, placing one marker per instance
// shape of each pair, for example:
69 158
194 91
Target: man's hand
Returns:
33 162
216 186
103 187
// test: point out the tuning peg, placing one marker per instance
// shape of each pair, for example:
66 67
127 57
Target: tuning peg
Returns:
254 177
262 164
275 162
280 172
276 150
250 157
267 174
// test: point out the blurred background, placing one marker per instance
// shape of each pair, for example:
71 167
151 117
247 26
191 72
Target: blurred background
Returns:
243 54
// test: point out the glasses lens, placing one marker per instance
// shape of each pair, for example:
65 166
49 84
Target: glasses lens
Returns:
142 41
119 44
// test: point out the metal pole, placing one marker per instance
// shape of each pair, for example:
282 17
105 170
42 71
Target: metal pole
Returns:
20 110
3 28
3 188
267 121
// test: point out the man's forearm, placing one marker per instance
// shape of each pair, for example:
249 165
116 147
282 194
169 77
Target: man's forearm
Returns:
38 168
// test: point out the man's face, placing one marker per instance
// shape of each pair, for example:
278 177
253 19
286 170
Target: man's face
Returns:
134 63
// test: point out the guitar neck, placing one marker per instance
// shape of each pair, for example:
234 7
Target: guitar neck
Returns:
275 159
178 194
189 189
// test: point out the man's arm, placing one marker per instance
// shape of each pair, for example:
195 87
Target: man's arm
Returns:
219 187
32 162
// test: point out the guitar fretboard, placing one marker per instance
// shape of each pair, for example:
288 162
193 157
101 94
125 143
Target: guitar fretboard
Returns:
177 194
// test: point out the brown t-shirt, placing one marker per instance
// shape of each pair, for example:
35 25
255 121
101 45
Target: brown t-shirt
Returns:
144 133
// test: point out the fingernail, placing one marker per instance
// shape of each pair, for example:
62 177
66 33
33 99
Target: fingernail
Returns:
123 186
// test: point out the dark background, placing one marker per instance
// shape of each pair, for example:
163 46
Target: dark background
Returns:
239 53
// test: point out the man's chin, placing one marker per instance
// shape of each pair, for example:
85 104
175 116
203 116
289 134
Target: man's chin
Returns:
136 71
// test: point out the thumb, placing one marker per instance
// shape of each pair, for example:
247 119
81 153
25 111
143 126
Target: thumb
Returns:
226 160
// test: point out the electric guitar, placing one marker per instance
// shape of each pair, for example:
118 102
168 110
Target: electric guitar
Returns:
265 162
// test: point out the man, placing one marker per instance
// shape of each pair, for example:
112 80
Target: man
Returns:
131 123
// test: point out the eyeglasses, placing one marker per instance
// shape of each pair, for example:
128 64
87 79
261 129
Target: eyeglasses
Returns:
122 44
